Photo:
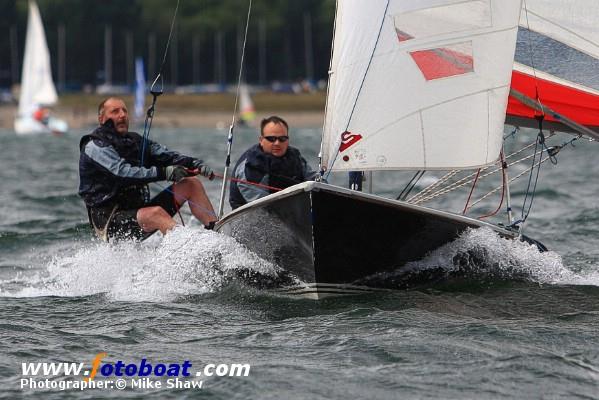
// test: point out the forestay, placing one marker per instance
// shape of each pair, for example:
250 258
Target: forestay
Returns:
37 87
557 61
419 84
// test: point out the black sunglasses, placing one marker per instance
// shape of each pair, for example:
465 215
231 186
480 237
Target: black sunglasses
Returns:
273 139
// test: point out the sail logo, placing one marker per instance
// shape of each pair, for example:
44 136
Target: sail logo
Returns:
348 139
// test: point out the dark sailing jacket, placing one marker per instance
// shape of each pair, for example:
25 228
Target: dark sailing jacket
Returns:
259 167
110 169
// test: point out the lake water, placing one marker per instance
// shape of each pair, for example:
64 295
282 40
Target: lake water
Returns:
523 325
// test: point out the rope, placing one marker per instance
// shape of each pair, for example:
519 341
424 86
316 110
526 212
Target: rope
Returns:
433 185
510 181
464 181
551 151
512 134
179 197
260 185
471 191
232 126
532 61
504 167
424 196
540 141
410 186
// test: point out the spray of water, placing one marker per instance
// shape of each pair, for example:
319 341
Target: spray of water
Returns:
185 262
481 254
191 261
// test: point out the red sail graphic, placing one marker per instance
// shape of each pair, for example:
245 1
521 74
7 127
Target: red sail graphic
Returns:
348 139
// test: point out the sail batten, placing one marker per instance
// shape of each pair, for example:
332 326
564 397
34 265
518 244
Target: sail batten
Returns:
434 96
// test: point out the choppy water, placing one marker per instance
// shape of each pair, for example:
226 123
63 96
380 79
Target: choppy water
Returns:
515 324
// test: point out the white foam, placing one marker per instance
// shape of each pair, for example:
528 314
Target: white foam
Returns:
504 258
184 262
191 261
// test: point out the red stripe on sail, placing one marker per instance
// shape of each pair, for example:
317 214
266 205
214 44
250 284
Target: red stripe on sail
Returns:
580 106
442 63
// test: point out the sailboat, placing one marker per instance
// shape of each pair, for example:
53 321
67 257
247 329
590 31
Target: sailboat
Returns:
413 85
37 88
247 110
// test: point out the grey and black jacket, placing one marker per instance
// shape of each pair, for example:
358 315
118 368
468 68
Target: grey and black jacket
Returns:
259 167
110 169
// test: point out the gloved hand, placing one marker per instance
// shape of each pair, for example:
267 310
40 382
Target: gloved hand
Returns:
203 169
175 173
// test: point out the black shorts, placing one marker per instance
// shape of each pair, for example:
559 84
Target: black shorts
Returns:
122 224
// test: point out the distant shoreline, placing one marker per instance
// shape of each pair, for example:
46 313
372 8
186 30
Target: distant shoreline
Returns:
189 111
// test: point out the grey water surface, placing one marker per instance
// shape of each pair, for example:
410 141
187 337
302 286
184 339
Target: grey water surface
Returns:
523 325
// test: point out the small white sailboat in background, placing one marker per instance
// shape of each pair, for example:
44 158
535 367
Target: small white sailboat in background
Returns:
247 110
37 88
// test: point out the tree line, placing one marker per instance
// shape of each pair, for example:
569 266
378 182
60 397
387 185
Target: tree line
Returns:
95 42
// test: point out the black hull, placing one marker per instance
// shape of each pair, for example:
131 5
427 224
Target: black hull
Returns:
332 237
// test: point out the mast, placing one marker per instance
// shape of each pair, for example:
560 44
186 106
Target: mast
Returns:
508 195
221 205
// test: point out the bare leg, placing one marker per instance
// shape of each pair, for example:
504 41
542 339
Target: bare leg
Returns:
192 189
152 218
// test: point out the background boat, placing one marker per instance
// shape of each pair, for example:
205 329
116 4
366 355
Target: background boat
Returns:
37 88
247 111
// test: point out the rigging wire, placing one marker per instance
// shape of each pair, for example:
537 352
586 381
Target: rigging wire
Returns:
471 191
428 193
532 61
217 175
410 186
510 181
221 205
156 92
540 142
504 168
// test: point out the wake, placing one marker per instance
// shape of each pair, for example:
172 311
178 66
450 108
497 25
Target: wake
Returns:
481 255
186 261
190 261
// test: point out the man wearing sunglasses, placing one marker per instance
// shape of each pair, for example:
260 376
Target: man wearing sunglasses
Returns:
270 163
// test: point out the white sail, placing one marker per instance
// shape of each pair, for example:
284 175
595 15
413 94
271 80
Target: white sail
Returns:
572 22
419 84
37 87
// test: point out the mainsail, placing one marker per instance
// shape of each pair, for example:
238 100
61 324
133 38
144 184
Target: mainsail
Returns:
557 60
37 87
425 87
